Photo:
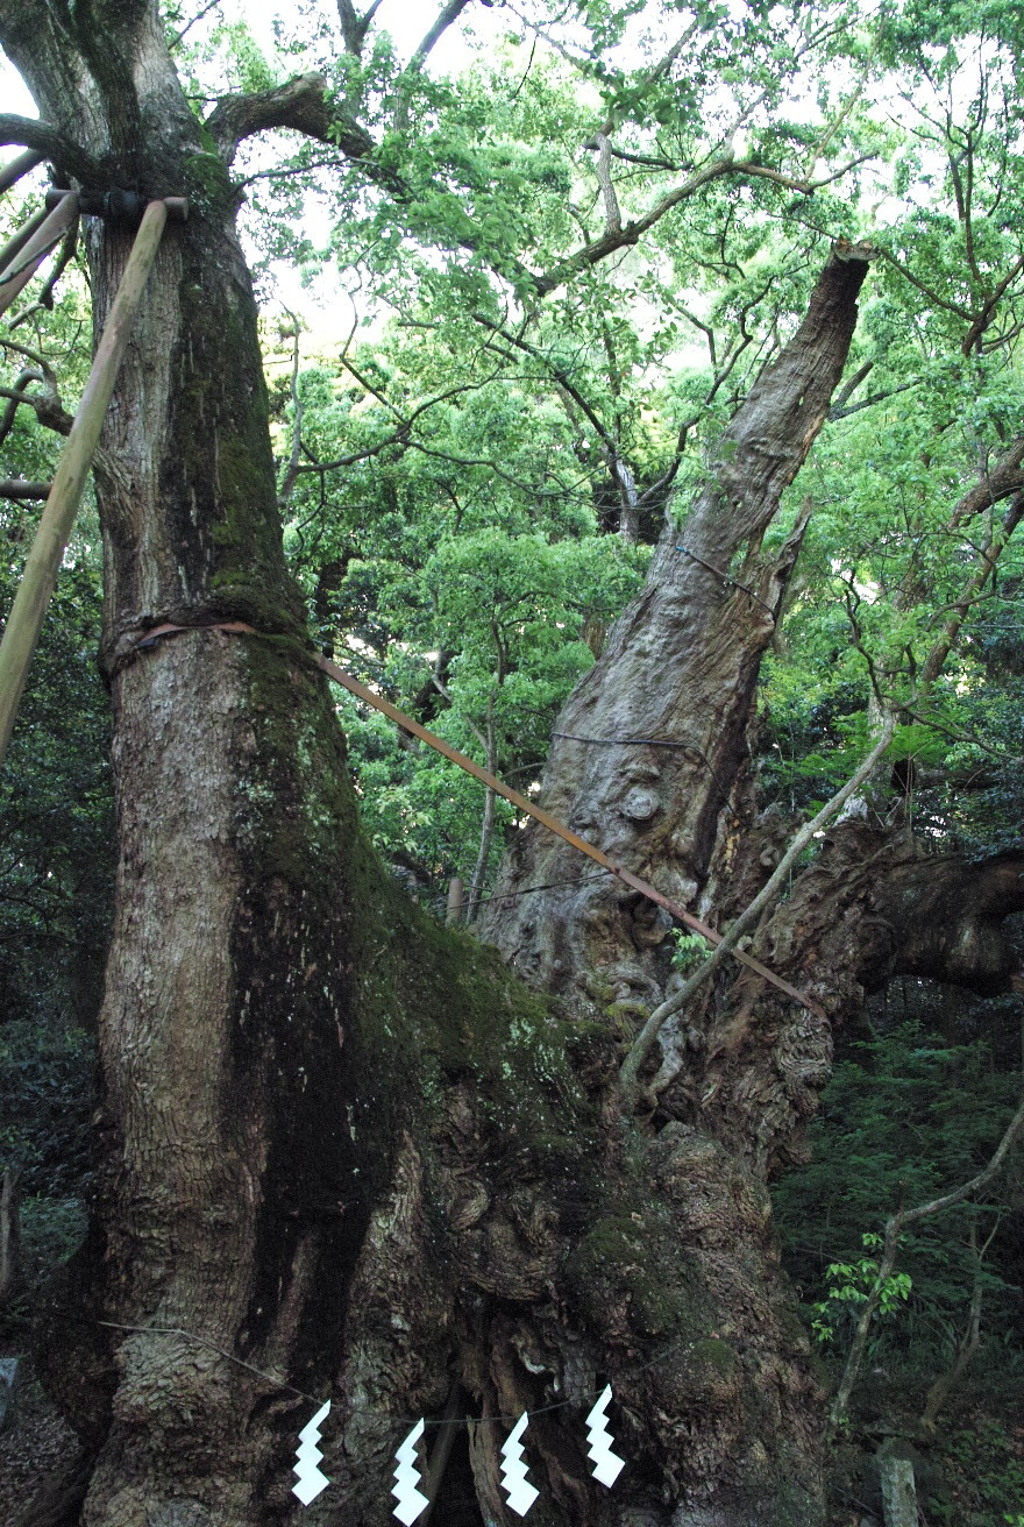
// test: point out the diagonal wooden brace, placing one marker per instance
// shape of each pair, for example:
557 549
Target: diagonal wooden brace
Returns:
29 247
43 563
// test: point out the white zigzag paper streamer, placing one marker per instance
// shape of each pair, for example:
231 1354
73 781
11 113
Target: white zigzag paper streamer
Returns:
310 1481
411 1500
520 1492
607 1465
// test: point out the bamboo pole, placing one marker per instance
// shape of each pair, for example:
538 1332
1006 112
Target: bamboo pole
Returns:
33 251
30 603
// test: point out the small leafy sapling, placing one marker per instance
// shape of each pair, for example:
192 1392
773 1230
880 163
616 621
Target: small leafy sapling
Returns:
852 1284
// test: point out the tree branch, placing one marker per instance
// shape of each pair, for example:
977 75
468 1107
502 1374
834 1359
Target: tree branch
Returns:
988 556
933 296
301 104
15 395
893 1230
642 1045
984 318
49 144
612 214
18 490
1005 479
292 470
180 37
451 12
614 239
837 412
48 408
12 173
849 388
354 28
560 375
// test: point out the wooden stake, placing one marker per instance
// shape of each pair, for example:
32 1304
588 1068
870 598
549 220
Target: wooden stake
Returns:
30 604
32 250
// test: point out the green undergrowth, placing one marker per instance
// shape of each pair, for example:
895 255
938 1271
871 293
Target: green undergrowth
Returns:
968 1473
983 1467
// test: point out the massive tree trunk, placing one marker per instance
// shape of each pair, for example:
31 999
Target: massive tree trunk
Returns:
649 750
650 761
343 1153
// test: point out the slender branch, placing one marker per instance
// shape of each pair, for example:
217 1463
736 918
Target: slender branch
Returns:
353 27
559 373
180 37
398 437
1005 479
893 1230
630 233
945 1384
956 734
48 408
849 388
451 12
984 318
612 214
647 159
932 295
987 559
292 470
642 1045
16 396
837 412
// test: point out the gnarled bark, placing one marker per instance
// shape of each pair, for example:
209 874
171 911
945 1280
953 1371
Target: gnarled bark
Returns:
343 1153
649 747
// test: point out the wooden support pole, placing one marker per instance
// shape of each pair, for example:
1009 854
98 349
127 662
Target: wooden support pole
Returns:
12 173
370 697
30 603
455 901
32 251
18 240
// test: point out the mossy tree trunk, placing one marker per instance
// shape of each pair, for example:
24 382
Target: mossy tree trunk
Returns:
279 1030
343 1153
651 761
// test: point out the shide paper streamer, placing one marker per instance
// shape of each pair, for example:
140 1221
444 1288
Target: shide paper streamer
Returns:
607 1465
521 1494
411 1500
310 1481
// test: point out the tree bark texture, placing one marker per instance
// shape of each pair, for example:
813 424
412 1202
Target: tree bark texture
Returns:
648 749
342 1153
650 761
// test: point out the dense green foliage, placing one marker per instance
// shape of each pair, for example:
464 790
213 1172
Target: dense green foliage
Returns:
896 1129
